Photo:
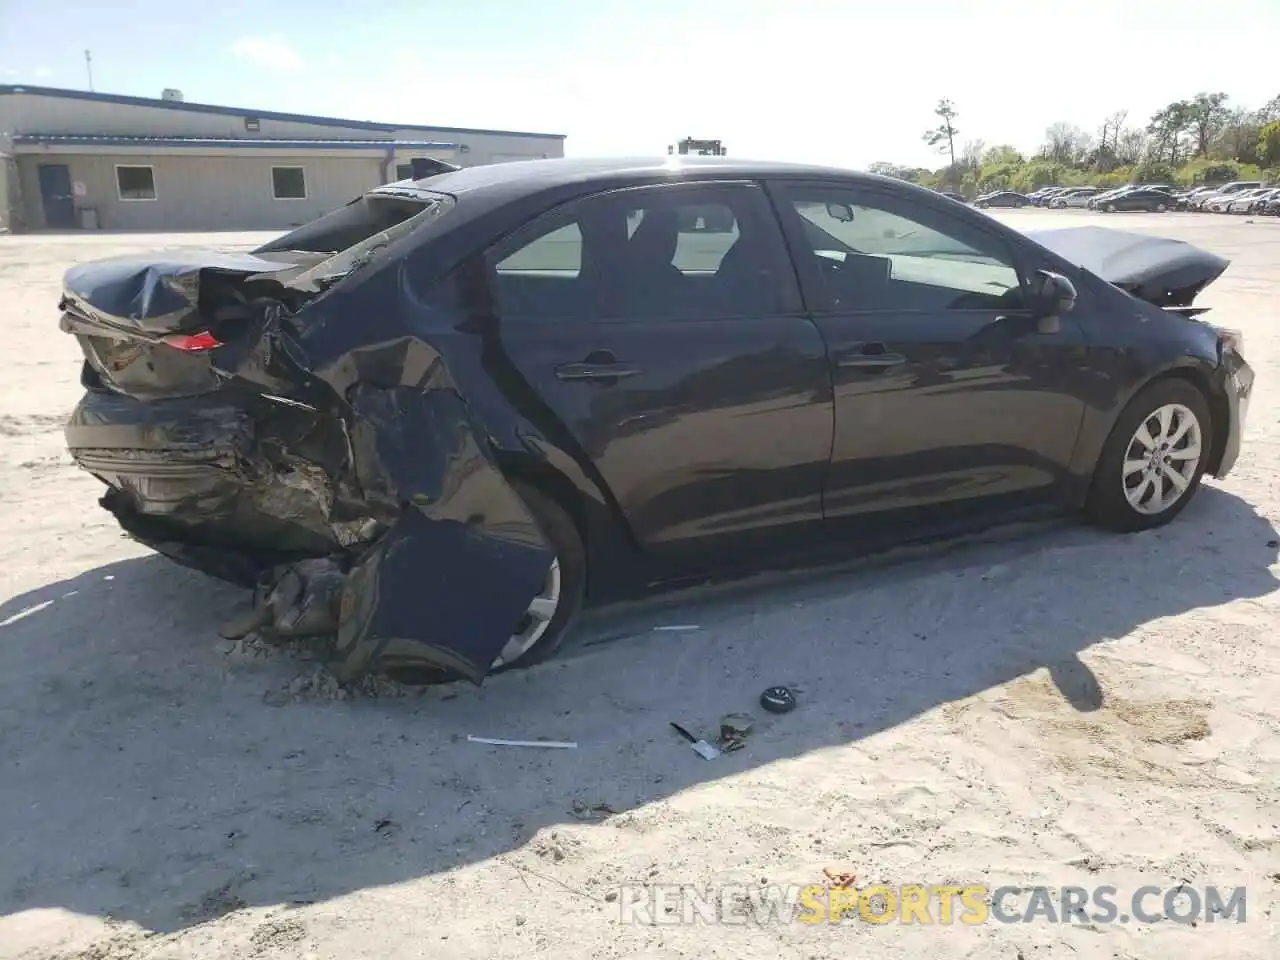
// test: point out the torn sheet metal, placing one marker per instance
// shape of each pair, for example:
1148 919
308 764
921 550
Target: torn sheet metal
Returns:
153 297
448 585
366 458
1161 271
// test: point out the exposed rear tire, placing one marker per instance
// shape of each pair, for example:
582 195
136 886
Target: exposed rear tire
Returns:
1139 485
571 558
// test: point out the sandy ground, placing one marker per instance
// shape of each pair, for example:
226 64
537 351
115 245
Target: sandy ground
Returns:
1052 706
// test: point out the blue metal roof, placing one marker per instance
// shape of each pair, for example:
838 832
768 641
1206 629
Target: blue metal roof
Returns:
10 89
90 140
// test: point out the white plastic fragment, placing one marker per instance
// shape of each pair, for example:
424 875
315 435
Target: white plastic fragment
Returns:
549 744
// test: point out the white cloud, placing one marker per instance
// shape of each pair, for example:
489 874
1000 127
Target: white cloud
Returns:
269 53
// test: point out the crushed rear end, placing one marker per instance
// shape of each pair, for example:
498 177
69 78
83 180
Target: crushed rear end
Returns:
274 419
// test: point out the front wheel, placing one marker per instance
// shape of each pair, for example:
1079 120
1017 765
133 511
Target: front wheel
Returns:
1110 208
1152 463
1161 208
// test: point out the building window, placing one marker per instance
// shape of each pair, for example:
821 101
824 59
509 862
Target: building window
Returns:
288 183
252 123
136 183
404 171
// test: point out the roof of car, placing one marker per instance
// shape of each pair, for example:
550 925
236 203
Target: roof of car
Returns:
541 174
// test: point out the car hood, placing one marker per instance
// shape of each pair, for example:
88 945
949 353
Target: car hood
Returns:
1164 272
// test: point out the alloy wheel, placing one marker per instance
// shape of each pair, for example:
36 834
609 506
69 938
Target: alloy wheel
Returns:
536 620
1162 458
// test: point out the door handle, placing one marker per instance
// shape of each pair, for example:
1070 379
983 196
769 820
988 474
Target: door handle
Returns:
596 371
872 356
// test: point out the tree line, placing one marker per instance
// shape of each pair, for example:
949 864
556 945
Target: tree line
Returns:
1204 139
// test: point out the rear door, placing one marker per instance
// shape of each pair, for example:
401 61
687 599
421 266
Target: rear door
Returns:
949 401
662 329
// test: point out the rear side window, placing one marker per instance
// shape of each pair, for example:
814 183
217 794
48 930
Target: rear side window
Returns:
686 251
554 254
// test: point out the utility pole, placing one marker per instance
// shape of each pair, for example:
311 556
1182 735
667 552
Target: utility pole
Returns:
88 66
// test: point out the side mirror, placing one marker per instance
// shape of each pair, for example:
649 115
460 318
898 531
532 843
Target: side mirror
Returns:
1052 295
840 211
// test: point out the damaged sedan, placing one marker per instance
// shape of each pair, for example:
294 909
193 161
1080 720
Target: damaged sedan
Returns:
434 423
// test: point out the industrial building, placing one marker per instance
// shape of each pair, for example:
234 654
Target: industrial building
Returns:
71 159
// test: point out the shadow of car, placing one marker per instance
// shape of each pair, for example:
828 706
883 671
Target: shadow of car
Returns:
118 711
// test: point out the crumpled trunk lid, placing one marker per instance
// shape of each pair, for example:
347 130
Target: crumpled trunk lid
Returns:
151 329
1163 272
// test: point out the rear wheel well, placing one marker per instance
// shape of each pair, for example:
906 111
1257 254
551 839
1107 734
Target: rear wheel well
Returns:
553 485
1219 412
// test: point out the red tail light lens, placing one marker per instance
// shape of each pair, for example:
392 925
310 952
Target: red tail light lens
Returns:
193 342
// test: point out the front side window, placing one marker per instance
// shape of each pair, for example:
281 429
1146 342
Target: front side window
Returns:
875 255
288 183
669 252
136 183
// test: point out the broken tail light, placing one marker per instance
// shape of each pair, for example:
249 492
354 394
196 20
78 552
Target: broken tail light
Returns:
193 342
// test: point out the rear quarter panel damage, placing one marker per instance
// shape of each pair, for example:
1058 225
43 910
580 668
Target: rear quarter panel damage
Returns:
447 585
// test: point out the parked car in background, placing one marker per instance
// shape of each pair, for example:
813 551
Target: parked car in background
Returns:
1002 198
1204 201
1221 202
1041 195
451 426
1247 201
1183 199
1099 198
1140 198
1270 208
1077 197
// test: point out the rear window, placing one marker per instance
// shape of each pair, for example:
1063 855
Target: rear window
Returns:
350 237
360 220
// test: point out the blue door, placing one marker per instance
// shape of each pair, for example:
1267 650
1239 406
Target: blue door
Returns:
55 191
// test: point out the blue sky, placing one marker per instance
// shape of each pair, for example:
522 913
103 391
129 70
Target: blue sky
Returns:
830 81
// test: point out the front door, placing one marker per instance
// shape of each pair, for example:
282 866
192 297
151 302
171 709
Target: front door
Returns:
662 328
950 401
56 196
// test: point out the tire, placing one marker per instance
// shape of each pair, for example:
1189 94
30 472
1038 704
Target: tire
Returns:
984 206
1161 208
1109 503
1110 208
571 559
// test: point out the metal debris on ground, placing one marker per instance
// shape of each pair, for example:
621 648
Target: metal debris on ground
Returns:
582 810
734 730
549 744
839 878
677 628
703 749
